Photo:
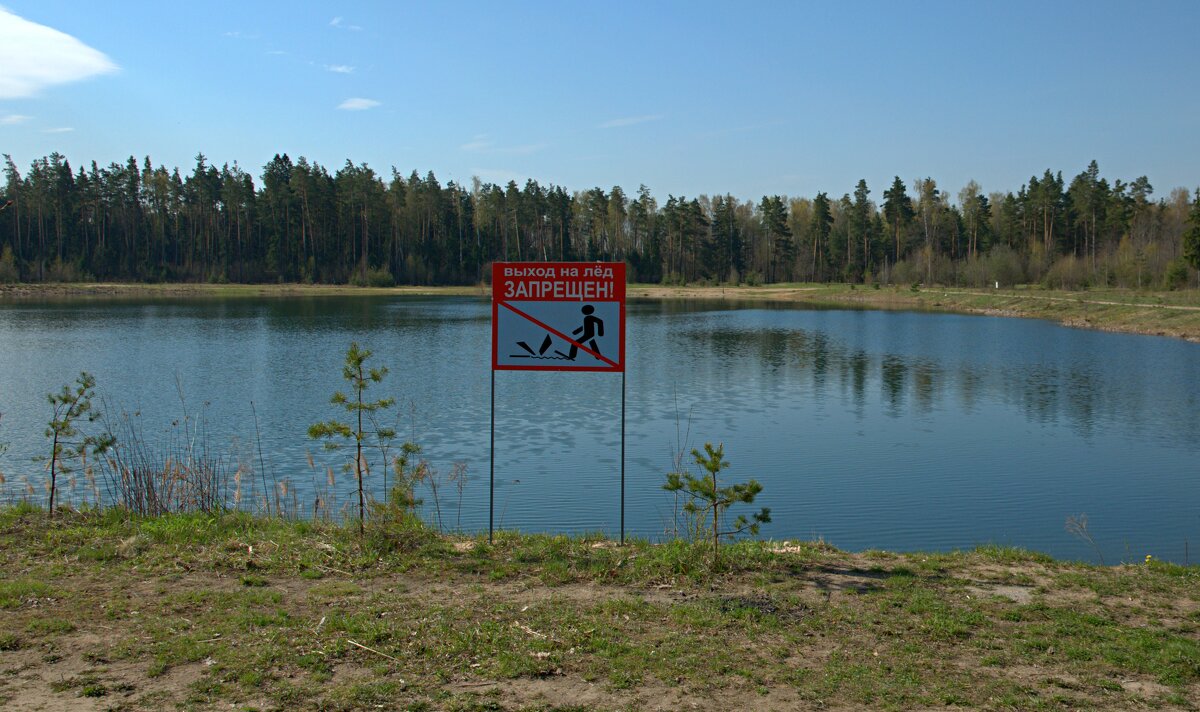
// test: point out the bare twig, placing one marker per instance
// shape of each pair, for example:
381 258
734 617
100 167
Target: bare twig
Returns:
373 650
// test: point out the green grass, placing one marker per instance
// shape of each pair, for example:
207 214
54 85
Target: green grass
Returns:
49 626
17 592
220 610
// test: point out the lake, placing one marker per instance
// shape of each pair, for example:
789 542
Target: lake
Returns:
869 429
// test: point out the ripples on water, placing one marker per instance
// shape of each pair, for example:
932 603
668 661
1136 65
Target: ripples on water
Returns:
871 429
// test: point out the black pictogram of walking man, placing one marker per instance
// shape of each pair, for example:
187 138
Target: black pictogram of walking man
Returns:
593 326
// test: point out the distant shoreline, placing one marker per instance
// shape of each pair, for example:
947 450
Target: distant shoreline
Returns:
1170 314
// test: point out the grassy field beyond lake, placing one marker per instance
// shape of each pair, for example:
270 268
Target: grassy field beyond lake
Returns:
1175 314
103 611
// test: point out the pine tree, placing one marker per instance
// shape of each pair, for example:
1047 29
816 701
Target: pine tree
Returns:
709 499
360 378
898 210
1191 238
69 406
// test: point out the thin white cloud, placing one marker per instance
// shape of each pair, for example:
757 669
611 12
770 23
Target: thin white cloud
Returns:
522 150
481 143
340 68
340 23
358 103
35 56
59 129
13 119
630 121
237 35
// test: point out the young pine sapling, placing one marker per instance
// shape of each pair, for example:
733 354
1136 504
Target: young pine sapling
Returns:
66 443
410 472
360 378
709 499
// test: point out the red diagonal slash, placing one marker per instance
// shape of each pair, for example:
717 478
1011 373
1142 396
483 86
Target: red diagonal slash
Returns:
559 334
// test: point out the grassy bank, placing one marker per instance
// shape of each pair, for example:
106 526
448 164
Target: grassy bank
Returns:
99 611
36 291
1175 314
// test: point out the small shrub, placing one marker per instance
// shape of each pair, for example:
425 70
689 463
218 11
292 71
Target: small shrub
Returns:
1176 276
906 271
1003 265
380 277
60 271
394 527
1069 272
9 273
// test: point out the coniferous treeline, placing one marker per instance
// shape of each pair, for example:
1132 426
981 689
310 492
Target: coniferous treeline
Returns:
299 223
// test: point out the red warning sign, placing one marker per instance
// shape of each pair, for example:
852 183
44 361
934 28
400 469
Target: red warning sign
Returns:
558 316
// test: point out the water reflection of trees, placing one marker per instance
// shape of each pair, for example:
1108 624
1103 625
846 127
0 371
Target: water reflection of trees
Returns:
1079 394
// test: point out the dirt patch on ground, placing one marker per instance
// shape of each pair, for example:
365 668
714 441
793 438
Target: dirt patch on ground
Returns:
653 696
71 677
1016 594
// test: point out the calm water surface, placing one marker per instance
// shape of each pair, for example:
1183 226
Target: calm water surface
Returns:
870 429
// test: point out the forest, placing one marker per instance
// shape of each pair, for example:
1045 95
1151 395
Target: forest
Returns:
299 223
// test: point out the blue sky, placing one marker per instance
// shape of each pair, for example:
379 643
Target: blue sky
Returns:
686 97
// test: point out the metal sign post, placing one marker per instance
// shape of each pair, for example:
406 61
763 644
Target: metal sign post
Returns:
557 316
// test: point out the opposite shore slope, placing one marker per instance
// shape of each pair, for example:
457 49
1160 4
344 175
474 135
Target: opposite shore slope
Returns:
1172 314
